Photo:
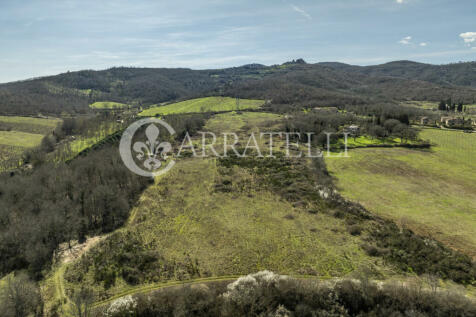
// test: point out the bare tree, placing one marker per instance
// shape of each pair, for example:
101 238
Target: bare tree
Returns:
20 297
433 282
82 301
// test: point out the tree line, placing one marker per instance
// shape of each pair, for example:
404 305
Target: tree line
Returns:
451 106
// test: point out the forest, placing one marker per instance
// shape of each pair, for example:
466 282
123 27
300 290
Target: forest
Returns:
295 82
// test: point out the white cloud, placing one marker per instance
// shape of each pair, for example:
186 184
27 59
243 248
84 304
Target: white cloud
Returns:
423 44
399 1
406 40
468 37
301 11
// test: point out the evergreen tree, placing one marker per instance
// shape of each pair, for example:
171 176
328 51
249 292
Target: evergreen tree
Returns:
442 106
448 104
83 230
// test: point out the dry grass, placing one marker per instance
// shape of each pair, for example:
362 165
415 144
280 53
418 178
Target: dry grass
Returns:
432 192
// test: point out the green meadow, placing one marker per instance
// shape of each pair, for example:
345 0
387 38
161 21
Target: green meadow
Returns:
207 104
20 139
429 105
18 134
107 105
432 192
29 124
367 141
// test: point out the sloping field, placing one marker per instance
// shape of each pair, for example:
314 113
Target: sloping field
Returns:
20 133
432 192
206 220
207 104
29 124
191 230
20 139
421 104
107 105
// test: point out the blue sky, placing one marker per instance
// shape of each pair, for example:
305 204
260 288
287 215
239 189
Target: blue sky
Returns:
43 37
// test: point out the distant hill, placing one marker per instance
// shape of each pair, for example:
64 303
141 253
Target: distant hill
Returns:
294 82
459 74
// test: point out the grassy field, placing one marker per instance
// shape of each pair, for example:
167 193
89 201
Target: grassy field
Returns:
242 122
107 105
366 141
28 124
183 219
471 109
18 134
20 139
207 104
429 105
433 192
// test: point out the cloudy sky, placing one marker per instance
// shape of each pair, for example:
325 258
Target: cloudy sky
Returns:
43 37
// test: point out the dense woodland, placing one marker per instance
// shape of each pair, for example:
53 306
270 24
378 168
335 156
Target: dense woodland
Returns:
291 83
62 202
458 74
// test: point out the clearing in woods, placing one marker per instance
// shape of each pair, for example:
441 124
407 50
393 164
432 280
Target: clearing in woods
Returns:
432 192
17 134
28 124
207 104
20 139
107 105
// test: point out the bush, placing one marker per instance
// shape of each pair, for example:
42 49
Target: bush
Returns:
268 294
355 230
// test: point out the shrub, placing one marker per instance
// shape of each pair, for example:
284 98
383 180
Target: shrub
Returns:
269 294
355 230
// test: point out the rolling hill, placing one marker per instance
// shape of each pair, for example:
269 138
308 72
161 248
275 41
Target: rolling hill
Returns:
456 74
333 83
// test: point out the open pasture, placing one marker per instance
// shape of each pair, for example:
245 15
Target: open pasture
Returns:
107 105
432 192
28 124
207 104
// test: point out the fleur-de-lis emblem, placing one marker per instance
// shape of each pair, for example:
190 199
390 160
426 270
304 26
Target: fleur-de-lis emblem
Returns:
152 150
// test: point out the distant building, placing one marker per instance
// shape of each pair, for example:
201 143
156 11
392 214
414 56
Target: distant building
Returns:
444 119
425 120
452 121
352 129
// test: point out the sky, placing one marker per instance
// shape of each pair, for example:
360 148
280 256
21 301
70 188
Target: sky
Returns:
47 37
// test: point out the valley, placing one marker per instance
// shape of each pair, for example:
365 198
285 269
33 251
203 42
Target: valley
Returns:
244 158
398 209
